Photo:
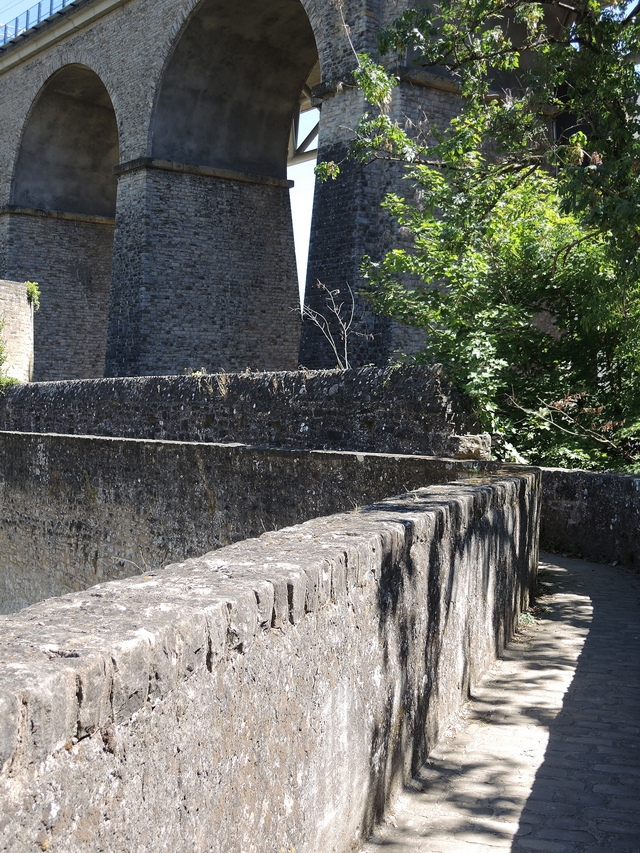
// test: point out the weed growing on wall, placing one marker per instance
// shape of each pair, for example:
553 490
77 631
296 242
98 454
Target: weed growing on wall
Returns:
33 294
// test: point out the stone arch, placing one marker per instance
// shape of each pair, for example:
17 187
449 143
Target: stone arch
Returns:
210 202
69 147
61 219
231 85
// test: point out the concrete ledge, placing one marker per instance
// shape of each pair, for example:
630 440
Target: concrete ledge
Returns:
420 77
56 214
590 515
269 696
204 171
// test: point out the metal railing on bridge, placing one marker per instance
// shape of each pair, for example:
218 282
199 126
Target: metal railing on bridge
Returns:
31 18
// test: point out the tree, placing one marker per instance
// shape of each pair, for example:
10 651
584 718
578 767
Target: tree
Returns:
525 265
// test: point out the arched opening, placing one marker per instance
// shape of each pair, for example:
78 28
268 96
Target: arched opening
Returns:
302 159
62 220
69 147
221 283
232 86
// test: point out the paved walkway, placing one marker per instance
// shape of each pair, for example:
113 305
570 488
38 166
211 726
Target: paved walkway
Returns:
547 755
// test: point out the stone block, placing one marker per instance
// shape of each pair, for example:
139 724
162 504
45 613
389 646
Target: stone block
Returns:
16 316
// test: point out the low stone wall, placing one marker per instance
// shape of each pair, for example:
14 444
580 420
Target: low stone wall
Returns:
589 515
269 696
16 316
77 510
401 410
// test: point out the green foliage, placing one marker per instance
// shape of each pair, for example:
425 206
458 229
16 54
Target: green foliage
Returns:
524 270
33 294
327 169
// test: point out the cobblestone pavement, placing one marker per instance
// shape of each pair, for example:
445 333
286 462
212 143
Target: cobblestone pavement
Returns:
547 755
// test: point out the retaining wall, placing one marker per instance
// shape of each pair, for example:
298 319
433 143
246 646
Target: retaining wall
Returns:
589 515
269 696
77 510
401 410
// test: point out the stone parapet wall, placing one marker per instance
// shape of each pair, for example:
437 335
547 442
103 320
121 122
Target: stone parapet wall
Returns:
16 318
80 510
591 515
402 410
269 696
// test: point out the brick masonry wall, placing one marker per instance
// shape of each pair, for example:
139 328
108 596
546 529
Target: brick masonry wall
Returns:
16 316
355 196
399 410
589 515
79 510
70 258
128 49
267 697
208 280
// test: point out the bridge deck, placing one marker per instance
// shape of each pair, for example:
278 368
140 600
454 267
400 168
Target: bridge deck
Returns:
547 757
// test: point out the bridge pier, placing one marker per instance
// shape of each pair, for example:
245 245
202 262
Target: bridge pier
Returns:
349 221
69 255
204 271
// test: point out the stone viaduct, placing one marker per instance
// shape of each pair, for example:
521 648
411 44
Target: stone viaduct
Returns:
143 179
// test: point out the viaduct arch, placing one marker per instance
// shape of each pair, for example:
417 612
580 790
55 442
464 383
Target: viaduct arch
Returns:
63 199
214 200
165 242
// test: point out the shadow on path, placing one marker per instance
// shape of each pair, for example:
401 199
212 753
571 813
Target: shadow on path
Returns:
548 756
586 793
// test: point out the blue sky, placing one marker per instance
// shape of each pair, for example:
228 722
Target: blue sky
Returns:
303 175
302 199
11 8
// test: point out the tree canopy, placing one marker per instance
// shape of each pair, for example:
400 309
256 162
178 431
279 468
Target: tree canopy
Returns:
524 269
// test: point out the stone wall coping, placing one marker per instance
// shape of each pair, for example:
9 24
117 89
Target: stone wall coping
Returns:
469 468
56 214
581 472
75 665
202 171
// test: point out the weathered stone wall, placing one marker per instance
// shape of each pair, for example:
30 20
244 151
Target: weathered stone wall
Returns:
79 510
69 255
170 232
402 410
595 516
336 252
221 292
267 697
16 316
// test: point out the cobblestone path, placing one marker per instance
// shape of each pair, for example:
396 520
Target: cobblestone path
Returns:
547 754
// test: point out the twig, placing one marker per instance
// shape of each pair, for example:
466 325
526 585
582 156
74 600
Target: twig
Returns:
551 422
341 351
